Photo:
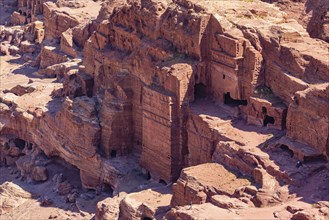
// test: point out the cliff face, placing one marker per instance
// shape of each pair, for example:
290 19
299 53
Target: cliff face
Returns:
172 82
224 58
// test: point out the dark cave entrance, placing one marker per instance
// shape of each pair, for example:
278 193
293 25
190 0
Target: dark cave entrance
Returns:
89 87
286 149
162 182
148 176
146 218
78 92
267 119
19 143
13 142
107 189
228 100
200 91
315 159
113 153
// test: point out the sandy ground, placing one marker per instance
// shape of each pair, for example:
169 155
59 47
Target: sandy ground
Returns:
8 79
59 209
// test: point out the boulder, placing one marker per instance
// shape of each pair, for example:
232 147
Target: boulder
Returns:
50 56
39 173
13 50
27 47
63 188
107 209
293 209
302 215
198 184
18 19
150 203
227 202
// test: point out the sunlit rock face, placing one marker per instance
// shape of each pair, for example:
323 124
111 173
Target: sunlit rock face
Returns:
176 91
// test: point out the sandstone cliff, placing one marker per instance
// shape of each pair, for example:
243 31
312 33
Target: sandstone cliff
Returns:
164 85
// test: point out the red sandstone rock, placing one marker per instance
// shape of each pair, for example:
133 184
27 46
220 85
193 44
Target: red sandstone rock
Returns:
50 56
27 47
293 209
67 44
18 19
301 215
11 197
149 68
106 210
58 20
39 173
198 184
151 203
313 15
226 202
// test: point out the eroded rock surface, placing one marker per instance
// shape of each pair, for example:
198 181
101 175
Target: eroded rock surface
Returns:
312 14
227 100
11 197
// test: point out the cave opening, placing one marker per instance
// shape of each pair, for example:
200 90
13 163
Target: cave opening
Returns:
268 120
146 218
162 182
20 11
19 143
228 100
107 189
148 176
89 88
315 159
24 13
113 153
285 148
78 92
200 91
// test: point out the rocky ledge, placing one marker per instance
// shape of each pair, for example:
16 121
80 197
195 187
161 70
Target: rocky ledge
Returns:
226 103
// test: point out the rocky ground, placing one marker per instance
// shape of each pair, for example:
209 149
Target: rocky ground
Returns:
164 109
312 14
22 199
44 200
62 197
